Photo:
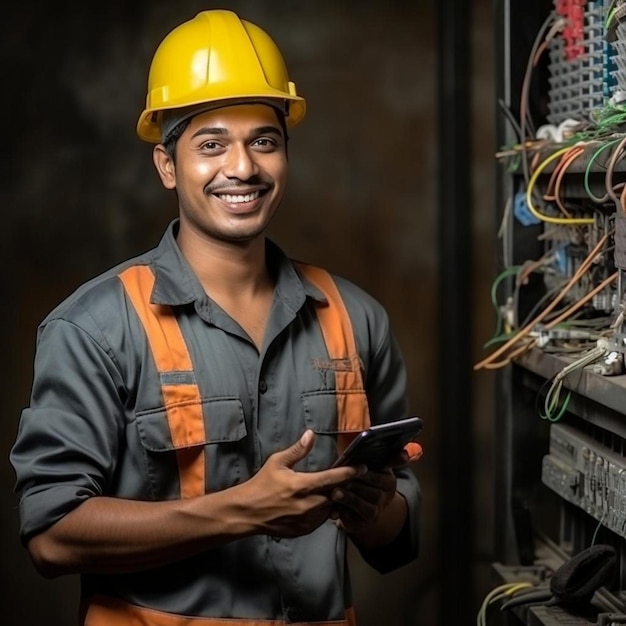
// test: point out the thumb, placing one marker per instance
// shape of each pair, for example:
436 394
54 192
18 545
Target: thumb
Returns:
296 452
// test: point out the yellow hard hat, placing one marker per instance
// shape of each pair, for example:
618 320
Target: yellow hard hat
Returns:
216 56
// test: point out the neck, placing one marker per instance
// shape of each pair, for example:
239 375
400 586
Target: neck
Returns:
235 276
226 269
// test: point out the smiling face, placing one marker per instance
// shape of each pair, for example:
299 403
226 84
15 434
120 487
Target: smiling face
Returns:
230 172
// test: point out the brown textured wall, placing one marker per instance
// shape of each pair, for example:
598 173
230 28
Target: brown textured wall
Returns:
79 194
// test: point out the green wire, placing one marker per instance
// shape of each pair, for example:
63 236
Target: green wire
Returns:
552 397
606 120
609 17
556 418
588 168
509 271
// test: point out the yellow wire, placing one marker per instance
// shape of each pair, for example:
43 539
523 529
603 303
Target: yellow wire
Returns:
504 590
531 185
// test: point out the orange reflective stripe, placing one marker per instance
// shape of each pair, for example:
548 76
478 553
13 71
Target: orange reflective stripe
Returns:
182 401
112 612
352 409
351 616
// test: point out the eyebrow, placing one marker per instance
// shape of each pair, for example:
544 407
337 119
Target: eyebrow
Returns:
219 130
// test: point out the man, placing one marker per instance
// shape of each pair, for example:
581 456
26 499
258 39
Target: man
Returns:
188 404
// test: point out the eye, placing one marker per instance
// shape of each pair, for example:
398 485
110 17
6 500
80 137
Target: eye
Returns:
210 146
265 144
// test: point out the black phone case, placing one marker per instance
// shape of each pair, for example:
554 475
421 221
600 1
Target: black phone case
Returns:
376 445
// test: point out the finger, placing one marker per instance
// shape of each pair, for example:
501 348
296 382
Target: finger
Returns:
325 480
399 460
290 456
383 481
361 508
361 490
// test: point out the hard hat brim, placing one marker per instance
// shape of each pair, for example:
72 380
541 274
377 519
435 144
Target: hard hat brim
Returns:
149 129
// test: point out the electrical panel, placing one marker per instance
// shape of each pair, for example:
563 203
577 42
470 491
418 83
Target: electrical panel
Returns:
559 300
589 474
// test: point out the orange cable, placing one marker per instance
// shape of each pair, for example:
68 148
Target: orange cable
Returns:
605 283
524 331
513 355
562 162
567 160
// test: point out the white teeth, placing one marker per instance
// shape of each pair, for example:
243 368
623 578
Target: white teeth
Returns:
232 199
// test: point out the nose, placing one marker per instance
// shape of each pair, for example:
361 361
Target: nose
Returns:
240 163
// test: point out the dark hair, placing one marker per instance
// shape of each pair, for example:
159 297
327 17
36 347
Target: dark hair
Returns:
172 139
174 135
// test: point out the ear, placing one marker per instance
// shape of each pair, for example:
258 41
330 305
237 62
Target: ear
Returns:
164 166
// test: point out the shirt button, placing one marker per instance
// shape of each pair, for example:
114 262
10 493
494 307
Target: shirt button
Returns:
262 386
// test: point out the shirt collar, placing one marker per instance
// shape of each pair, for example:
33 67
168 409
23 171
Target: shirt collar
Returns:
176 283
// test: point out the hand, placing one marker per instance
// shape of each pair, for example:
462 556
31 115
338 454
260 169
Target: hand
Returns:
361 502
286 503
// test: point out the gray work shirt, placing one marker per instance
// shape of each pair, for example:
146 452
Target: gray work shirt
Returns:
96 426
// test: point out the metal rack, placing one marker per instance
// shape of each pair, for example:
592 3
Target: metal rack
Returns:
545 511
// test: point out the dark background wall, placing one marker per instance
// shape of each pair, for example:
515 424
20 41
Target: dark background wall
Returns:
79 193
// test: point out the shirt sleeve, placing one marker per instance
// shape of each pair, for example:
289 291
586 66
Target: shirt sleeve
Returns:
405 547
67 440
386 384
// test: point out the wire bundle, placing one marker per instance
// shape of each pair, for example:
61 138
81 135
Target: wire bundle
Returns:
599 144
520 341
551 410
502 592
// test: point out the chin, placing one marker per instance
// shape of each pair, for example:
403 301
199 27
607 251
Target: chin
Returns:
240 237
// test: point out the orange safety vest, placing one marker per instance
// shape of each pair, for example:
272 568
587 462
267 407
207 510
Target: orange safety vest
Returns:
112 612
186 423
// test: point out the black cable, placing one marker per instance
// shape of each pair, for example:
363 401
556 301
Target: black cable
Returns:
511 119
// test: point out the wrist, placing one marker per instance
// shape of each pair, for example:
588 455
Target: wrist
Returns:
385 528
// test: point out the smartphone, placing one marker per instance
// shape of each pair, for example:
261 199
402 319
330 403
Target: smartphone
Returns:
375 445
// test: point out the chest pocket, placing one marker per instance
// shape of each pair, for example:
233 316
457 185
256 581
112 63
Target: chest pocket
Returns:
181 395
352 408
